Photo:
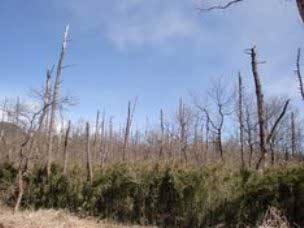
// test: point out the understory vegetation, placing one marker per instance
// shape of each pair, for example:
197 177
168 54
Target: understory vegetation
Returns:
165 195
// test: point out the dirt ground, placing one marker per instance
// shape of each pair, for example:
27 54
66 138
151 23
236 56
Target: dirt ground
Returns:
50 219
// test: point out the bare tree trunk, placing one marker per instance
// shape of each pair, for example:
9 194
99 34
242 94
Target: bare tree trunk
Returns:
298 71
17 114
162 128
96 136
55 101
46 98
249 136
128 129
20 189
261 108
102 149
293 135
66 143
241 120
88 153
182 131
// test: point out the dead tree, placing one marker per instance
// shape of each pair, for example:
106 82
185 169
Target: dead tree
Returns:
216 114
25 153
264 141
47 96
130 114
162 136
55 101
298 72
183 121
249 130
66 143
102 149
88 155
241 120
300 6
260 107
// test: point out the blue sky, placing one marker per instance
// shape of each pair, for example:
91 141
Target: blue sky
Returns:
157 50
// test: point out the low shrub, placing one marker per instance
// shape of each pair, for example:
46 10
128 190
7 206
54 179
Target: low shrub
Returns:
167 196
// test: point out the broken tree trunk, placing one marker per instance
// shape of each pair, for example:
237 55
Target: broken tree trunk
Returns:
55 101
260 107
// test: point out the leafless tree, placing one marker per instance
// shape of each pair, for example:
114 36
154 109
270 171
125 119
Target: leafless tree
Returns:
264 140
299 75
162 128
88 155
229 3
130 114
55 100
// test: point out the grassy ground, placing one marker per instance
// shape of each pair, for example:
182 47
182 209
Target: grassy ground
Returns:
49 219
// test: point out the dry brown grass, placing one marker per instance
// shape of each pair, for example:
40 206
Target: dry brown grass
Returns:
49 219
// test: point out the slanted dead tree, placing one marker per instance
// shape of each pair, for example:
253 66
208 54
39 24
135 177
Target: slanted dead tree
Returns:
264 140
88 155
260 107
299 75
130 114
241 122
55 99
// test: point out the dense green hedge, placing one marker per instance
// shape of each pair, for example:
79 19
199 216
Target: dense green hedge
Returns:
165 195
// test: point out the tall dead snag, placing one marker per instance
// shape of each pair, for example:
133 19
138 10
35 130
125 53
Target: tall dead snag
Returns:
66 143
241 120
261 112
46 98
182 120
298 72
96 135
55 100
130 114
249 130
293 135
102 149
88 155
162 129
260 107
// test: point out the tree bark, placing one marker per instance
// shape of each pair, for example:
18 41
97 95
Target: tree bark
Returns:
55 101
88 155
261 108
